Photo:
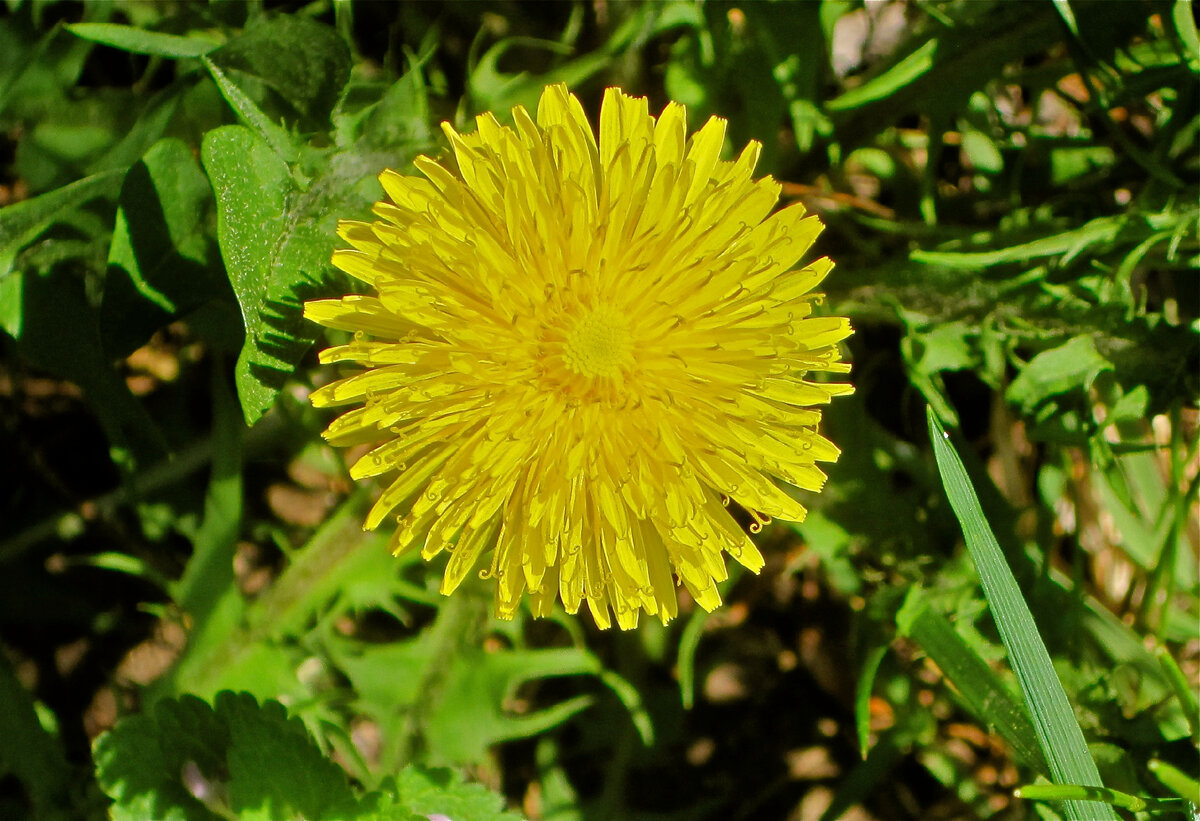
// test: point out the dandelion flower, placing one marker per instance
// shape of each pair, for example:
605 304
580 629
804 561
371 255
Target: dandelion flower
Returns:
577 353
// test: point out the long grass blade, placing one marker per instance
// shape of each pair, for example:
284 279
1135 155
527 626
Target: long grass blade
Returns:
1058 732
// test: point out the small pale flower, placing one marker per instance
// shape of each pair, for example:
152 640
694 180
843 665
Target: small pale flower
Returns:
578 352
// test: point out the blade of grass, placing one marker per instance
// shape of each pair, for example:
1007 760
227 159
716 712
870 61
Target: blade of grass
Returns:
1133 803
862 697
983 691
1183 691
1176 780
688 642
1058 732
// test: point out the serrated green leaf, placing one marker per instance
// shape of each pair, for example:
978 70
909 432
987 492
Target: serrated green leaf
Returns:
429 792
142 41
254 188
140 762
945 346
243 760
275 769
402 113
1058 732
460 688
277 240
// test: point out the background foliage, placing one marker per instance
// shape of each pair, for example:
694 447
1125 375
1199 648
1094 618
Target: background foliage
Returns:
1011 194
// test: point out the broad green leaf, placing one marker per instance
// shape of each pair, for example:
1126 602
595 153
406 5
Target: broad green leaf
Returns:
1071 366
303 61
1058 731
254 189
1067 163
142 41
36 71
12 294
22 221
160 263
251 115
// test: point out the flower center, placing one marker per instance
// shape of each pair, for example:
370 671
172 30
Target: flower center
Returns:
599 344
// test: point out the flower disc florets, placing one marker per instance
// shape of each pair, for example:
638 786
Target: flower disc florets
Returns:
578 352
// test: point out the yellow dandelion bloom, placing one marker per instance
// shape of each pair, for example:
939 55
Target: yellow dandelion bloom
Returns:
578 352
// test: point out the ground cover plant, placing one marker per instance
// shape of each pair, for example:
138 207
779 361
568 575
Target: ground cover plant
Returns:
992 610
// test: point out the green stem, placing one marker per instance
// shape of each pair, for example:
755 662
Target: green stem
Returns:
461 620
72 524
